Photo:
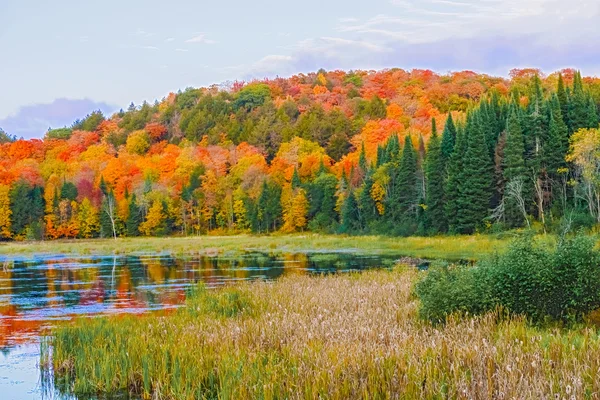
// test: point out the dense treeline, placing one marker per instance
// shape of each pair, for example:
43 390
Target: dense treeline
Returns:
389 152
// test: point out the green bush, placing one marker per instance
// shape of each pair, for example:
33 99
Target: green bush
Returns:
560 284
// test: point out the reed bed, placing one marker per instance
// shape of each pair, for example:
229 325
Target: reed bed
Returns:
333 337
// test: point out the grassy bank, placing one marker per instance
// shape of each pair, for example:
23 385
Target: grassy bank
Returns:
339 337
443 247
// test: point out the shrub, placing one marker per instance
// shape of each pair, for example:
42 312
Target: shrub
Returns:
528 280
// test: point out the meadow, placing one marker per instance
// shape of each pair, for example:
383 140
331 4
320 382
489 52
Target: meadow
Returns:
337 337
439 247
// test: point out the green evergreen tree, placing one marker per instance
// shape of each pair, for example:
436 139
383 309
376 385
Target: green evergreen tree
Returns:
366 204
435 178
401 204
563 99
350 223
134 218
453 187
448 138
476 181
20 206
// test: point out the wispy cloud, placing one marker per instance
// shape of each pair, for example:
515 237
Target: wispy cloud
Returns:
149 48
182 50
169 39
201 38
142 33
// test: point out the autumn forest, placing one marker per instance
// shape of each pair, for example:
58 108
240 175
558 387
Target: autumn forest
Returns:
362 152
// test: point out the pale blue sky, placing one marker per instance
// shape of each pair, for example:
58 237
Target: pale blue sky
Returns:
116 51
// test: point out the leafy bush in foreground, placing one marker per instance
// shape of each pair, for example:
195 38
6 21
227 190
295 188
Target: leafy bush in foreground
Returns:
560 284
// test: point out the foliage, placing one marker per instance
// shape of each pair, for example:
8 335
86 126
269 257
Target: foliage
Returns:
527 280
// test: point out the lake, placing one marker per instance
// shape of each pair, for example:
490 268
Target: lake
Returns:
38 292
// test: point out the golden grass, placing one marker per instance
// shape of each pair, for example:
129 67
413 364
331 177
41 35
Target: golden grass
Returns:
335 337
446 247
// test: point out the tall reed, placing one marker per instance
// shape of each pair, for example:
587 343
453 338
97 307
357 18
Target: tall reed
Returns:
335 337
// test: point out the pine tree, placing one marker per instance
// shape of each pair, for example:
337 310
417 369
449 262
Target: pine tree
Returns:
448 138
435 174
455 175
366 204
134 218
579 106
404 191
561 93
476 181
350 216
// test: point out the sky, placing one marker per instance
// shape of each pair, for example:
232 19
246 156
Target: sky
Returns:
62 59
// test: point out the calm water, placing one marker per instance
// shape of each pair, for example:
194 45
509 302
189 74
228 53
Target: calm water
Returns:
38 292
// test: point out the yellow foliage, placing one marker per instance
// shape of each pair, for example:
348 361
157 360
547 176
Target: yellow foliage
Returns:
154 220
138 143
5 212
295 213
88 221
378 194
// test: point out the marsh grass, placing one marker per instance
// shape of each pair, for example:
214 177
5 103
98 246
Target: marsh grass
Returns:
442 247
339 337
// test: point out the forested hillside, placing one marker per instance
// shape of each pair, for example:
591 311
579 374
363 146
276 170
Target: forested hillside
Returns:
391 152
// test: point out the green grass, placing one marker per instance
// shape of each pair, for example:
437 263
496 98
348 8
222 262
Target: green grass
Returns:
335 337
442 247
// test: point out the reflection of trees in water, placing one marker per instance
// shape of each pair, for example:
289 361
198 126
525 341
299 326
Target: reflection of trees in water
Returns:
140 282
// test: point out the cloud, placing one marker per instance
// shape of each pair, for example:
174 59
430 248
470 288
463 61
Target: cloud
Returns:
170 39
201 38
182 50
490 36
149 48
33 121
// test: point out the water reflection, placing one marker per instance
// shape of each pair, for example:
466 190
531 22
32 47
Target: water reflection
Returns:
36 292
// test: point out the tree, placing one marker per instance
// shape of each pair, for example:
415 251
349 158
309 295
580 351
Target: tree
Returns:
448 139
154 225
350 216
584 153
5 212
20 205
87 219
403 198
295 216
453 183
435 178
476 180
134 217
108 216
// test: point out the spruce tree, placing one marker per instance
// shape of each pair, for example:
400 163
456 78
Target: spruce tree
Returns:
448 139
476 181
561 94
366 204
453 187
579 106
134 219
435 174
406 184
350 223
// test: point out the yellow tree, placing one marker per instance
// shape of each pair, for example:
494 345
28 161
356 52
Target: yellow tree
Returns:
294 217
154 220
5 212
584 152
88 221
